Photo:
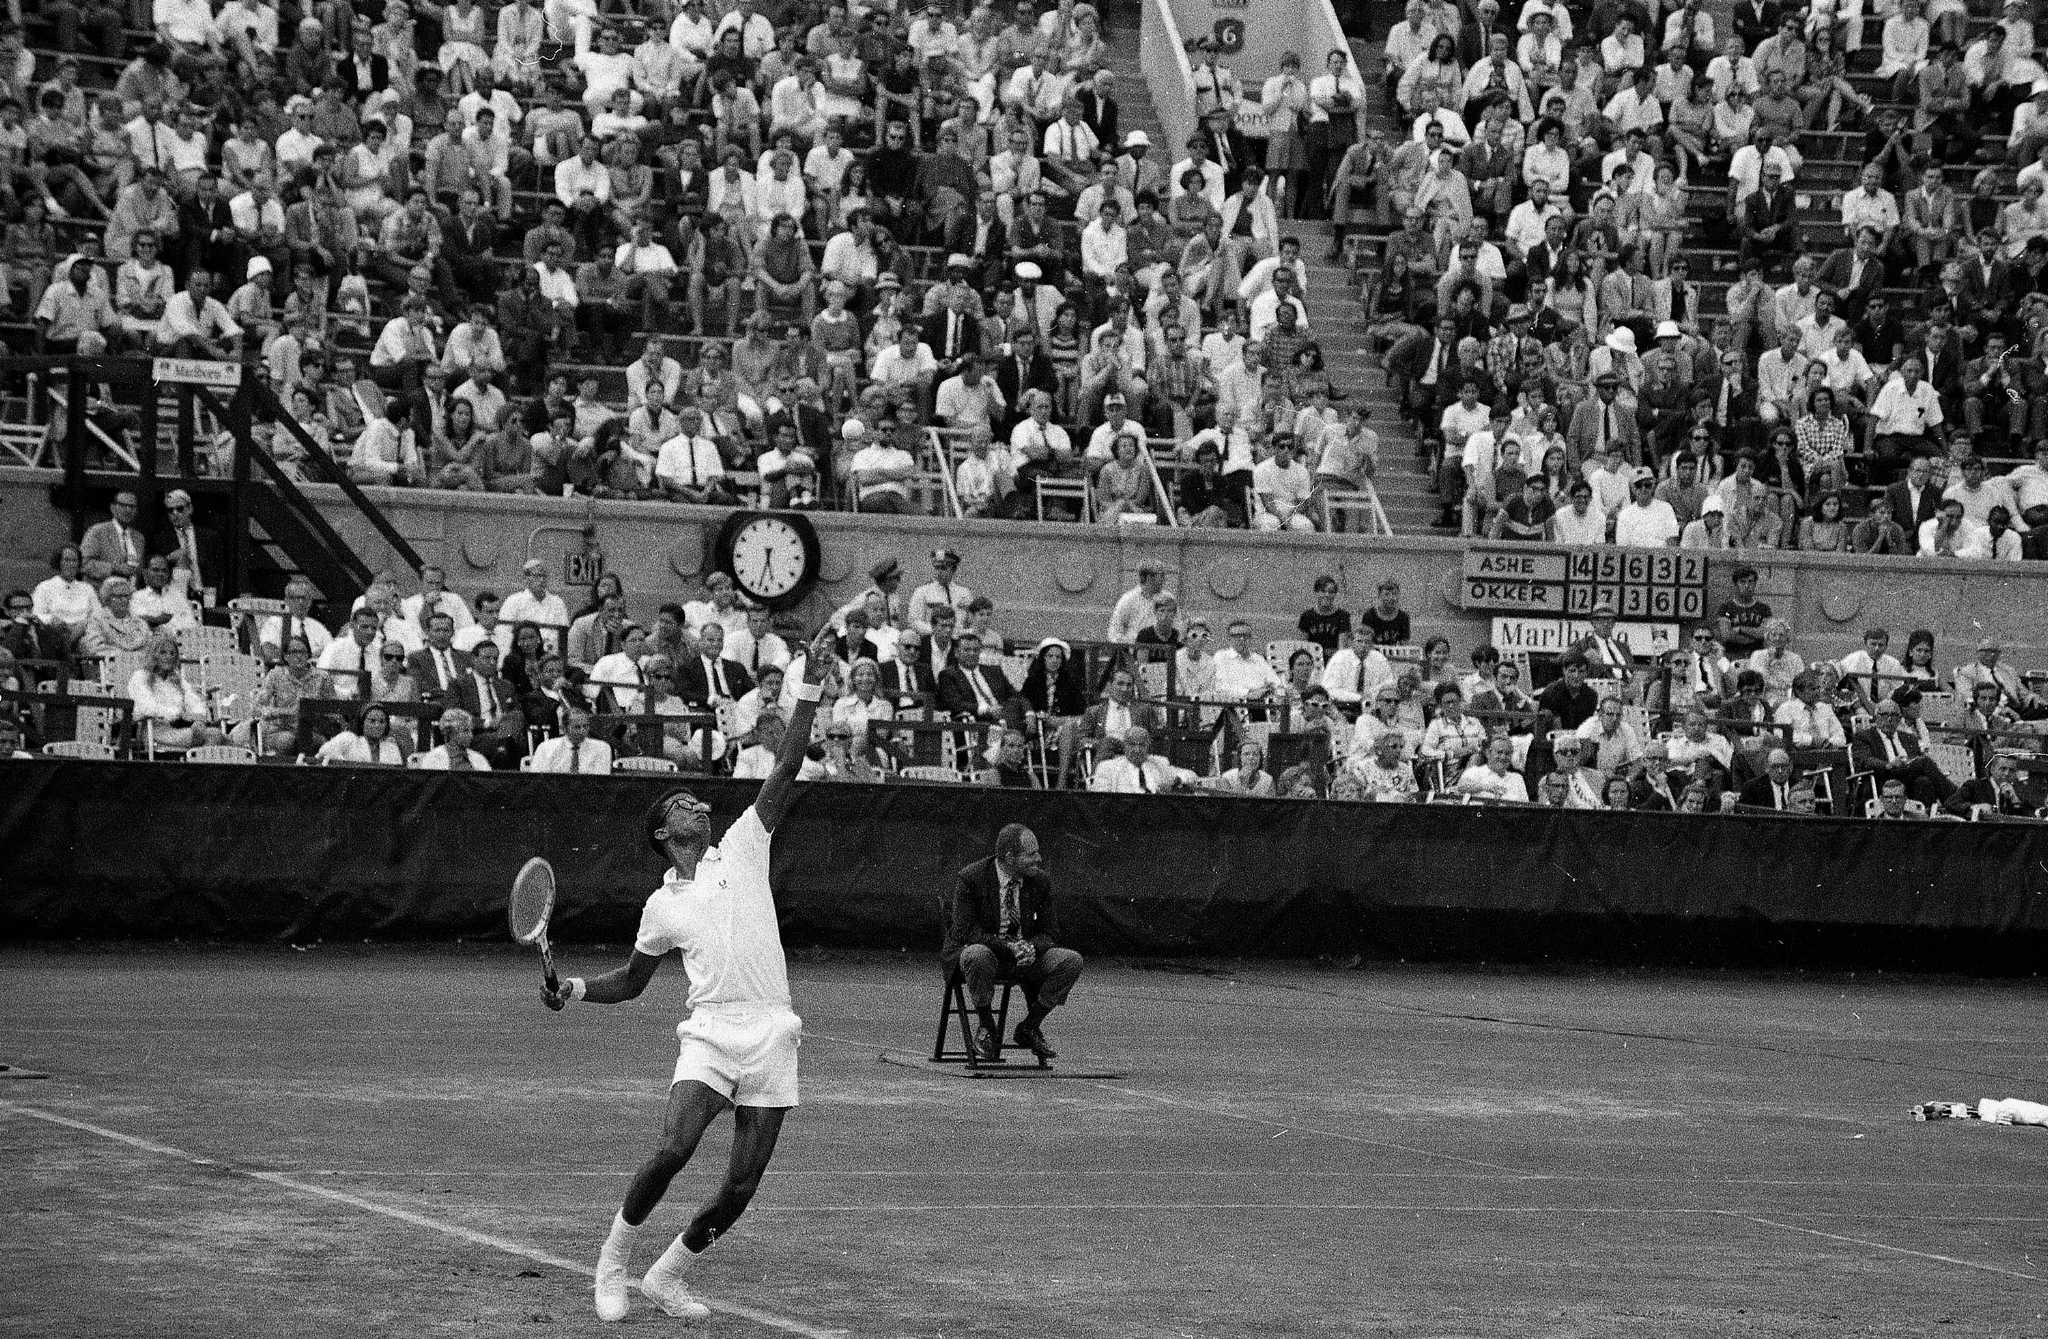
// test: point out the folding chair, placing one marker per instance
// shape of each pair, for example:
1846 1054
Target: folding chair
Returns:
953 1004
1075 491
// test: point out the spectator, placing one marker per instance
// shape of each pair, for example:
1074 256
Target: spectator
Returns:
454 754
573 752
173 714
1137 770
114 627
65 602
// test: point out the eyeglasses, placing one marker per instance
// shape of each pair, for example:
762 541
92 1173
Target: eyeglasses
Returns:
839 734
178 509
1703 636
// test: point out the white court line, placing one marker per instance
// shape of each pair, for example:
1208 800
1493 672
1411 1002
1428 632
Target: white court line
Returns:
1881 1246
407 1216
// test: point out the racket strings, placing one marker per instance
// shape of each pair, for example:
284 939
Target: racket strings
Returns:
533 899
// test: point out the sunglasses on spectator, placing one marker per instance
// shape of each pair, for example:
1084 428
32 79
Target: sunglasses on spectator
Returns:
178 508
661 674
840 734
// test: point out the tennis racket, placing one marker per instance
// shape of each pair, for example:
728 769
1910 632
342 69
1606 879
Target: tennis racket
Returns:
527 912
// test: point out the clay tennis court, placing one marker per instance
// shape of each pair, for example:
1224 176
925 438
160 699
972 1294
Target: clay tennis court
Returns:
395 1141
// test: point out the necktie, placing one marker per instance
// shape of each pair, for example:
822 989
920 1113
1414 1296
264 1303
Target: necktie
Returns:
1893 752
575 757
1359 685
445 667
1606 427
1144 783
488 698
984 700
718 678
1781 795
362 672
1011 915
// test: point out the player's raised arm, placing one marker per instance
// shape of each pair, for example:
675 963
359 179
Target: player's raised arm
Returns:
774 796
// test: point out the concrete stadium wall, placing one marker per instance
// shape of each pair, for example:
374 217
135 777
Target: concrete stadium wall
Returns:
1063 579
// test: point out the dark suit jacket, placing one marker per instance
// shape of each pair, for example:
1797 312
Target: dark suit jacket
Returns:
1978 791
428 676
1759 794
1978 290
346 70
693 682
1908 516
1759 211
1237 157
1755 20
956 694
978 913
1143 714
1866 749
1834 275
470 698
935 335
901 681
1041 376
1099 114
212 558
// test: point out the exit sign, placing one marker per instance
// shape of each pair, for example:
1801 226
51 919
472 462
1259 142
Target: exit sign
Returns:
582 569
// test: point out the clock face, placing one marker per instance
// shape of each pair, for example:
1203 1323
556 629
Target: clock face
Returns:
768 557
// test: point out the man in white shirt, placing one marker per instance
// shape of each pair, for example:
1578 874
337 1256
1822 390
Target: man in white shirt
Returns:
1283 486
1266 306
1950 534
1104 244
1814 724
970 397
1527 220
687 467
908 363
1906 416
351 661
1134 607
1356 671
537 605
1198 160
882 471
1138 770
942 591
1493 777
1979 494
1648 521
1242 673
573 752
1880 673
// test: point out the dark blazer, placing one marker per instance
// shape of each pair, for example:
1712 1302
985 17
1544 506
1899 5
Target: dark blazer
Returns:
1760 211
1834 275
956 693
1978 791
978 913
1143 714
508 736
1759 793
1909 517
1237 155
935 335
1755 20
1099 114
427 674
348 68
1866 749
693 681
212 557
1040 376
900 681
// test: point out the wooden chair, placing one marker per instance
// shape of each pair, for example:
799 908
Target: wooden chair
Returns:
1956 761
953 1004
1282 649
1075 491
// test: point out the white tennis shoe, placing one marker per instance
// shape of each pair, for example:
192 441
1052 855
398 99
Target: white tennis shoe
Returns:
614 1281
673 1295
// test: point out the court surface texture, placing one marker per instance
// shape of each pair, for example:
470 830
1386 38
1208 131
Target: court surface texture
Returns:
401 1141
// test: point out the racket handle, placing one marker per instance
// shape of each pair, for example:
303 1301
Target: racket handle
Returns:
547 963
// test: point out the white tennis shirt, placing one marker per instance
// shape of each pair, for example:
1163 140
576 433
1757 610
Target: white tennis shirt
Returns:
724 922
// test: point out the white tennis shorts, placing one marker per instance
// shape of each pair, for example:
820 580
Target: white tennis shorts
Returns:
748 1055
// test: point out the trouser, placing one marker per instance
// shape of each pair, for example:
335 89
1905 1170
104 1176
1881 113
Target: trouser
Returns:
1923 778
1045 982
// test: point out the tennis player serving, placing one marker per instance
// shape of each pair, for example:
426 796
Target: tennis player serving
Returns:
739 1042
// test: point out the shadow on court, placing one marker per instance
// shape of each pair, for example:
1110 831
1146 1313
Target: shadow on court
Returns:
404 1142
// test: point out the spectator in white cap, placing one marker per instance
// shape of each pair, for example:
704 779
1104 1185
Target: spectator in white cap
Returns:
1035 302
1646 521
941 590
537 605
1710 531
1139 172
251 307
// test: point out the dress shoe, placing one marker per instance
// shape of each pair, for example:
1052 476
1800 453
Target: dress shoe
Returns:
986 1046
1034 1039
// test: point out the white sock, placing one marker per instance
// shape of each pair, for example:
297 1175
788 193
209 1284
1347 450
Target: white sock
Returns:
674 1262
620 1241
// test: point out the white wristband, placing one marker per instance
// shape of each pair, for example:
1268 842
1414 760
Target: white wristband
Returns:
576 987
810 692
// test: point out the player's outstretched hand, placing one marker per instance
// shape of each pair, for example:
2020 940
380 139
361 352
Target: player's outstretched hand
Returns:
820 657
554 996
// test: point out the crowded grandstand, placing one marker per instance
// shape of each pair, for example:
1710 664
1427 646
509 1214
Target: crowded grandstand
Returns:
1629 280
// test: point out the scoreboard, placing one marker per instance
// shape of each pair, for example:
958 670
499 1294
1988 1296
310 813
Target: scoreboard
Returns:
1644 585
